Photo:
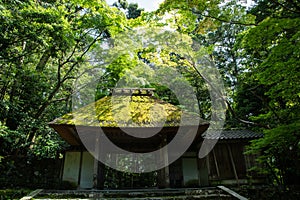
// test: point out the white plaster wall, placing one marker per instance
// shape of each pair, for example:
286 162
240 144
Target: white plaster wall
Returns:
190 169
86 179
71 167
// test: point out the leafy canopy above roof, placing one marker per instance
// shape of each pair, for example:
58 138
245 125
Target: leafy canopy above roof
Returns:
130 111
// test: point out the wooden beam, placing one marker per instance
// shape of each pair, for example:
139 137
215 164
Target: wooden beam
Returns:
164 176
32 194
208 166
96 155
101 175
232 193
133 91
216 163
101 166
166 160
62 168
80 167
233 165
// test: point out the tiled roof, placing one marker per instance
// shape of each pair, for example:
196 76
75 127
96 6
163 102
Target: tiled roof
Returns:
232 134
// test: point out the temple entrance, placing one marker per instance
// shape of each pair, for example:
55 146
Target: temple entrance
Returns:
190 172
78 169
115 179
176 176
124 180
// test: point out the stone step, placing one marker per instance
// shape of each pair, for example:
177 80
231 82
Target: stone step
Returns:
149 194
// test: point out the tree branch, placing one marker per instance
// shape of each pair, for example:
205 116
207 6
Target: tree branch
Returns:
221 20
270 108
61 80
231 110
43 61
58 100
285 7
80 58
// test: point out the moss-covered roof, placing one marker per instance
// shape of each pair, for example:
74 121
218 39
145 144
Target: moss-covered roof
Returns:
129 111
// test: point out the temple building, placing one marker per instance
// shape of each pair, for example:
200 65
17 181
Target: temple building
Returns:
91 163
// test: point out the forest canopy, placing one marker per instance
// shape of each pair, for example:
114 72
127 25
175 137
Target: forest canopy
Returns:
47 45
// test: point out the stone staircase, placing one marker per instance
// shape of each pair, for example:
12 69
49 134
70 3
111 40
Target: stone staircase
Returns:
140 194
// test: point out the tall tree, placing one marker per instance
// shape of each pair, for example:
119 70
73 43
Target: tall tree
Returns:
272 50
45 45
261 63
216 25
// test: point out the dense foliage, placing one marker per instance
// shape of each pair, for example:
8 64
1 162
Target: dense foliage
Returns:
41 55
273 80
257 51
46 45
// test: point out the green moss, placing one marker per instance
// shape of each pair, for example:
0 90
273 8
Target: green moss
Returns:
13 193
126 111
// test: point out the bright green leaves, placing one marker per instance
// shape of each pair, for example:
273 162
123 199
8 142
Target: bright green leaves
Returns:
45 46
271 31
10 140
202 17
279 69
272 48
280 152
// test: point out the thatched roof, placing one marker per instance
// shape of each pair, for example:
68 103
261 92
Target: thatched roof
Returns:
130 111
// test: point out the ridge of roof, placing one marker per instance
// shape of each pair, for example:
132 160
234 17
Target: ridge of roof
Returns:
231 134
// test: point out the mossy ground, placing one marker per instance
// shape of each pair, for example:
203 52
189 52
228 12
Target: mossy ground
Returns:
10 194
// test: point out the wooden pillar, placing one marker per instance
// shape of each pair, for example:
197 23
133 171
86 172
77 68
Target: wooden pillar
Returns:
62 169
96 158
80 168
208 166
203 172
99 168
216 163
233 164
163 174
101 175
